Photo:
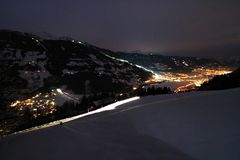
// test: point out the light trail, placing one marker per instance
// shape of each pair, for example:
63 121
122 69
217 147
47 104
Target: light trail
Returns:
54 123
59 91
138 66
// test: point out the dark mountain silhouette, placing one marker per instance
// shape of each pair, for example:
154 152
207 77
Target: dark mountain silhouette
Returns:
231 80
162 63
29 63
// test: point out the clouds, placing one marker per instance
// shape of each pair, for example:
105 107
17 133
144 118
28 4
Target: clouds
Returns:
156 25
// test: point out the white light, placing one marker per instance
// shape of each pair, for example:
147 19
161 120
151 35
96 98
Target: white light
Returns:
107 108
59 91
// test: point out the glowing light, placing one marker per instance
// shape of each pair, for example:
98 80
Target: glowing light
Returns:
193 79
103 109
42 103
59 91
107 108
134 88
15 104
187 87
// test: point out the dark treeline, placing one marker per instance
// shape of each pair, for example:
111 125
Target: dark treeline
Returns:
144 91
86 104
226 81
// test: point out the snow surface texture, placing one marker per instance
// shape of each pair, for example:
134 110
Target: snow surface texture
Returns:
197 125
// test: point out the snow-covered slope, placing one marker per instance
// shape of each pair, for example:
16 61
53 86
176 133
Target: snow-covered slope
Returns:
163 63
198 125
30 64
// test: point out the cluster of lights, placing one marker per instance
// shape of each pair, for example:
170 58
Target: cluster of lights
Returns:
39 105
193 79
188 87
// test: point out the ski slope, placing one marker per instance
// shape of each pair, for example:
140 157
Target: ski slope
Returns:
196 125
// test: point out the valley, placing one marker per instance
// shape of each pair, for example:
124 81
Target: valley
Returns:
187 81
43 80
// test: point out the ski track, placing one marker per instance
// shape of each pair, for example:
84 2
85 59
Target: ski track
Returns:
195 125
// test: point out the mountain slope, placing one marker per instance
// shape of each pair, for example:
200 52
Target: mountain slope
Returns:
29 64
197 125
161 63
231 80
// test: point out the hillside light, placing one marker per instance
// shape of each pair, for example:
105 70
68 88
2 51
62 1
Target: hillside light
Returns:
59 91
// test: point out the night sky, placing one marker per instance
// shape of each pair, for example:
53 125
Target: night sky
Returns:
171 27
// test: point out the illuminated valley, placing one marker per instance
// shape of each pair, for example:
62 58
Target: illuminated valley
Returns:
181 82
90 78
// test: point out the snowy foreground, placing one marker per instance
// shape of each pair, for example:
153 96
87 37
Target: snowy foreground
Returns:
200 125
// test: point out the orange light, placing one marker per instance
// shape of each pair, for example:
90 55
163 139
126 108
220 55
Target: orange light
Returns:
134 88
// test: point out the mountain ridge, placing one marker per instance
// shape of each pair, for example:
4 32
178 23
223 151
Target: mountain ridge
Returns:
31 64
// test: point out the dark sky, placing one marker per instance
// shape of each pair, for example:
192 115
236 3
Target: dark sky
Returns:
179 27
